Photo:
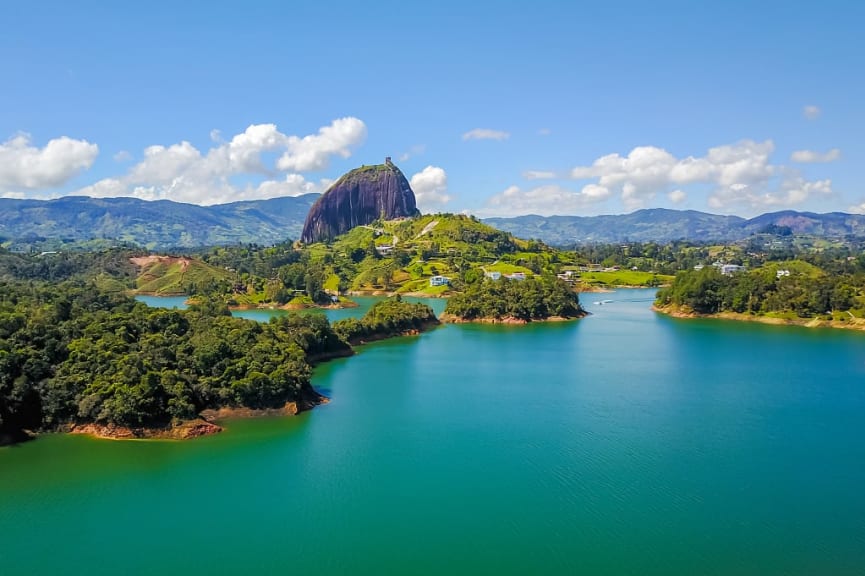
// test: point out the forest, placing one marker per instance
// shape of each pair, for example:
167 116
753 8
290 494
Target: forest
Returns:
391 317
794 289
71 354
527 300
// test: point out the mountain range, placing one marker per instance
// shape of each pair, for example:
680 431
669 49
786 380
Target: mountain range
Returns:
665 225
158 224
163 224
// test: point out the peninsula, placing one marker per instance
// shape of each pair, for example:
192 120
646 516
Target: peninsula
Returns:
791 292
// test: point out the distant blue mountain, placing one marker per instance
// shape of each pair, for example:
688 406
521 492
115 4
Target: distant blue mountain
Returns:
158 224
163 224
664 225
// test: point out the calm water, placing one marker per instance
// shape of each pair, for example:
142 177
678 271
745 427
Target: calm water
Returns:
625 443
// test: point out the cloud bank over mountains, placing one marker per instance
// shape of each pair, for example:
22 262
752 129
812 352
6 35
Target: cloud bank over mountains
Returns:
264 162
230 170
733 176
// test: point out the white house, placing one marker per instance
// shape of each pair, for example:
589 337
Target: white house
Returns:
728 269
493 275
516 276
439 281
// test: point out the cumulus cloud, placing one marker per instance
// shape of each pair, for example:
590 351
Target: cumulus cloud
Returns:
415 150
538 175
811 112
544 200
184 173
677 196
740 174
313 152
486 134
857 209
25 166
648 166
430 187
813 157
793 190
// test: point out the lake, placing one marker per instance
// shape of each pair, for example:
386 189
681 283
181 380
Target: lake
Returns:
623 443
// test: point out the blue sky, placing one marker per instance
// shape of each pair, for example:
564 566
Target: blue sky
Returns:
542 107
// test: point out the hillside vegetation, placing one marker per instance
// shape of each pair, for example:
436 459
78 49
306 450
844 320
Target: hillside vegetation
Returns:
70 354
165 275
785 290
528 300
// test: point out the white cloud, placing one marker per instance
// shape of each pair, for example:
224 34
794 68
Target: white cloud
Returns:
122 156
226 172
538 175
735 176
648 168
544 132
740 173
811 112
677 196
23 165
813 157
793 190
486 134
291 185
544 200
430 187
313 152
857 209
162 164
415 150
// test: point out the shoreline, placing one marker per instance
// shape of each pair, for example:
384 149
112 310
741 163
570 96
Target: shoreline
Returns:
205 424
378 336
452 319
189 302
854 323
194 428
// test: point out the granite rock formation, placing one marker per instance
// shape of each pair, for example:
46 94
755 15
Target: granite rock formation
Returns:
358 198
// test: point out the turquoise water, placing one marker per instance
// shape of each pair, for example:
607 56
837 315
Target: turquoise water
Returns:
164 301
623 443
264 314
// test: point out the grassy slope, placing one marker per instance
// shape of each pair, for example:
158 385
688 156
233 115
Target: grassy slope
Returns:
434 244
175 275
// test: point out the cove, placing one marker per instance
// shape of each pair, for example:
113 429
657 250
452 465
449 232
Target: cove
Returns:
624 443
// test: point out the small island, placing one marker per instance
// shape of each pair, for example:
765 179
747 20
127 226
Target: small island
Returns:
387 319
506 301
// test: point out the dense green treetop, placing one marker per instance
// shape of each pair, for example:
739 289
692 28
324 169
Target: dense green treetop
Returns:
390 317
531 299
795 288
72 354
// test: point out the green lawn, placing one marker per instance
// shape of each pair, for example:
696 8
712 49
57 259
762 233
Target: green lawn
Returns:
625 278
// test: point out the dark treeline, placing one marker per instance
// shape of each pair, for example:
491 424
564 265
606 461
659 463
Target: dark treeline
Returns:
59 266
531 299
386 318
70 354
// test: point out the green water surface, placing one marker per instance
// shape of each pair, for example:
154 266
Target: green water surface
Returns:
623 443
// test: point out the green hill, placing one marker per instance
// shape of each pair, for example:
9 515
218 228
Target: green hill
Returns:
157 225
404 255
168 275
